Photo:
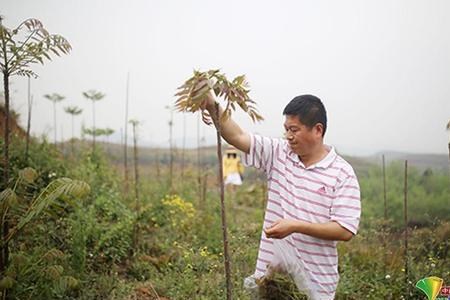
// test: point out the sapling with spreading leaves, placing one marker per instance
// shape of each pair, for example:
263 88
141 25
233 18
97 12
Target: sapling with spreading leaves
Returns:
20 47
73 111
54 98
93 96
193 96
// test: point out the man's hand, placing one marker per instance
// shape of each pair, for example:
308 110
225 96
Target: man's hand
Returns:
231 132
208 105
327 231
210 100
280 229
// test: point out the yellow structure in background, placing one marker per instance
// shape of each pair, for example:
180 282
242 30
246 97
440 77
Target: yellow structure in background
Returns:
232 167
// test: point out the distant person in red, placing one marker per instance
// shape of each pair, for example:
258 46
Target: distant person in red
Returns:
313 194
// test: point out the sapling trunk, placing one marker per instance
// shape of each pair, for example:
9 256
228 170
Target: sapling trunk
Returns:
62 140
264 194
203 188
93 126
158 170
27 145
54 122
226 253
4 259
30 103
136 188
191 96
72 141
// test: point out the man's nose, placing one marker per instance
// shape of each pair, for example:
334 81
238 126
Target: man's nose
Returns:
288 136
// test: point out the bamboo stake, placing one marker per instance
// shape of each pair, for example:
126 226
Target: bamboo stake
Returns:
183 149
136 187
385 216
405 207
171 156
125 159
199 174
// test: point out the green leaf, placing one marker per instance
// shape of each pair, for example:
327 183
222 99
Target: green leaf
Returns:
8 198
6 282
54 272
57 188
28 174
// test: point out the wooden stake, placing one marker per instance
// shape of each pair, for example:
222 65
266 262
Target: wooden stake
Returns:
125 158
385 216
136 188
405 206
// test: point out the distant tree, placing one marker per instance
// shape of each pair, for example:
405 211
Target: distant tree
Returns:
55 98
93 132
93 96
27 44
98 132
73 111
108 132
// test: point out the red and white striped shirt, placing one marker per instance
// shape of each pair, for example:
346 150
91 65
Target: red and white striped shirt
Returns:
323 192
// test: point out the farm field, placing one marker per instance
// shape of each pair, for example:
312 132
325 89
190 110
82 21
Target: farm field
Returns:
98 248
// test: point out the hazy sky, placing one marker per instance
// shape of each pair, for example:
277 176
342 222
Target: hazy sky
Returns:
382 68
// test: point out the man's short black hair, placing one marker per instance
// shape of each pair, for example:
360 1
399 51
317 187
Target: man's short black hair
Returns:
309 109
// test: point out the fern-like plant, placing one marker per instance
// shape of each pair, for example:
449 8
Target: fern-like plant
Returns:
55 190
61 188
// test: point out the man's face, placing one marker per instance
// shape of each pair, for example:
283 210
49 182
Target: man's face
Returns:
302 139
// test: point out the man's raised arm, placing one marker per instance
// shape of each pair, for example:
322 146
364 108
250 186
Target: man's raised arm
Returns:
231 132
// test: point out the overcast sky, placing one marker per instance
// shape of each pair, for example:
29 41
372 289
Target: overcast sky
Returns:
382 67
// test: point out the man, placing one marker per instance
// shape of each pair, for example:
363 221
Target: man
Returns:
313 193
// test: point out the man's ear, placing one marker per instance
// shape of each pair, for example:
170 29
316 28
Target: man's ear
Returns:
319 129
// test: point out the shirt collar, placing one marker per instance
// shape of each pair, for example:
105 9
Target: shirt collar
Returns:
324 163
327 160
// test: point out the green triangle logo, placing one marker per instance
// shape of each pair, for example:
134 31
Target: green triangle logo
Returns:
431 286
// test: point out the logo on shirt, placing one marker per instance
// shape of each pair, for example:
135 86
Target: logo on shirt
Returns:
432 287
322 190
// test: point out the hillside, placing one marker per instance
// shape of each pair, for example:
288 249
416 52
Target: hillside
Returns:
147 155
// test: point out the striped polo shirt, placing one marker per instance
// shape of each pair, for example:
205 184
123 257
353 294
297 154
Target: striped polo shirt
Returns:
325 191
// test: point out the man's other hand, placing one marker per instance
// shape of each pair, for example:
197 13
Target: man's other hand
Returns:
280 229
